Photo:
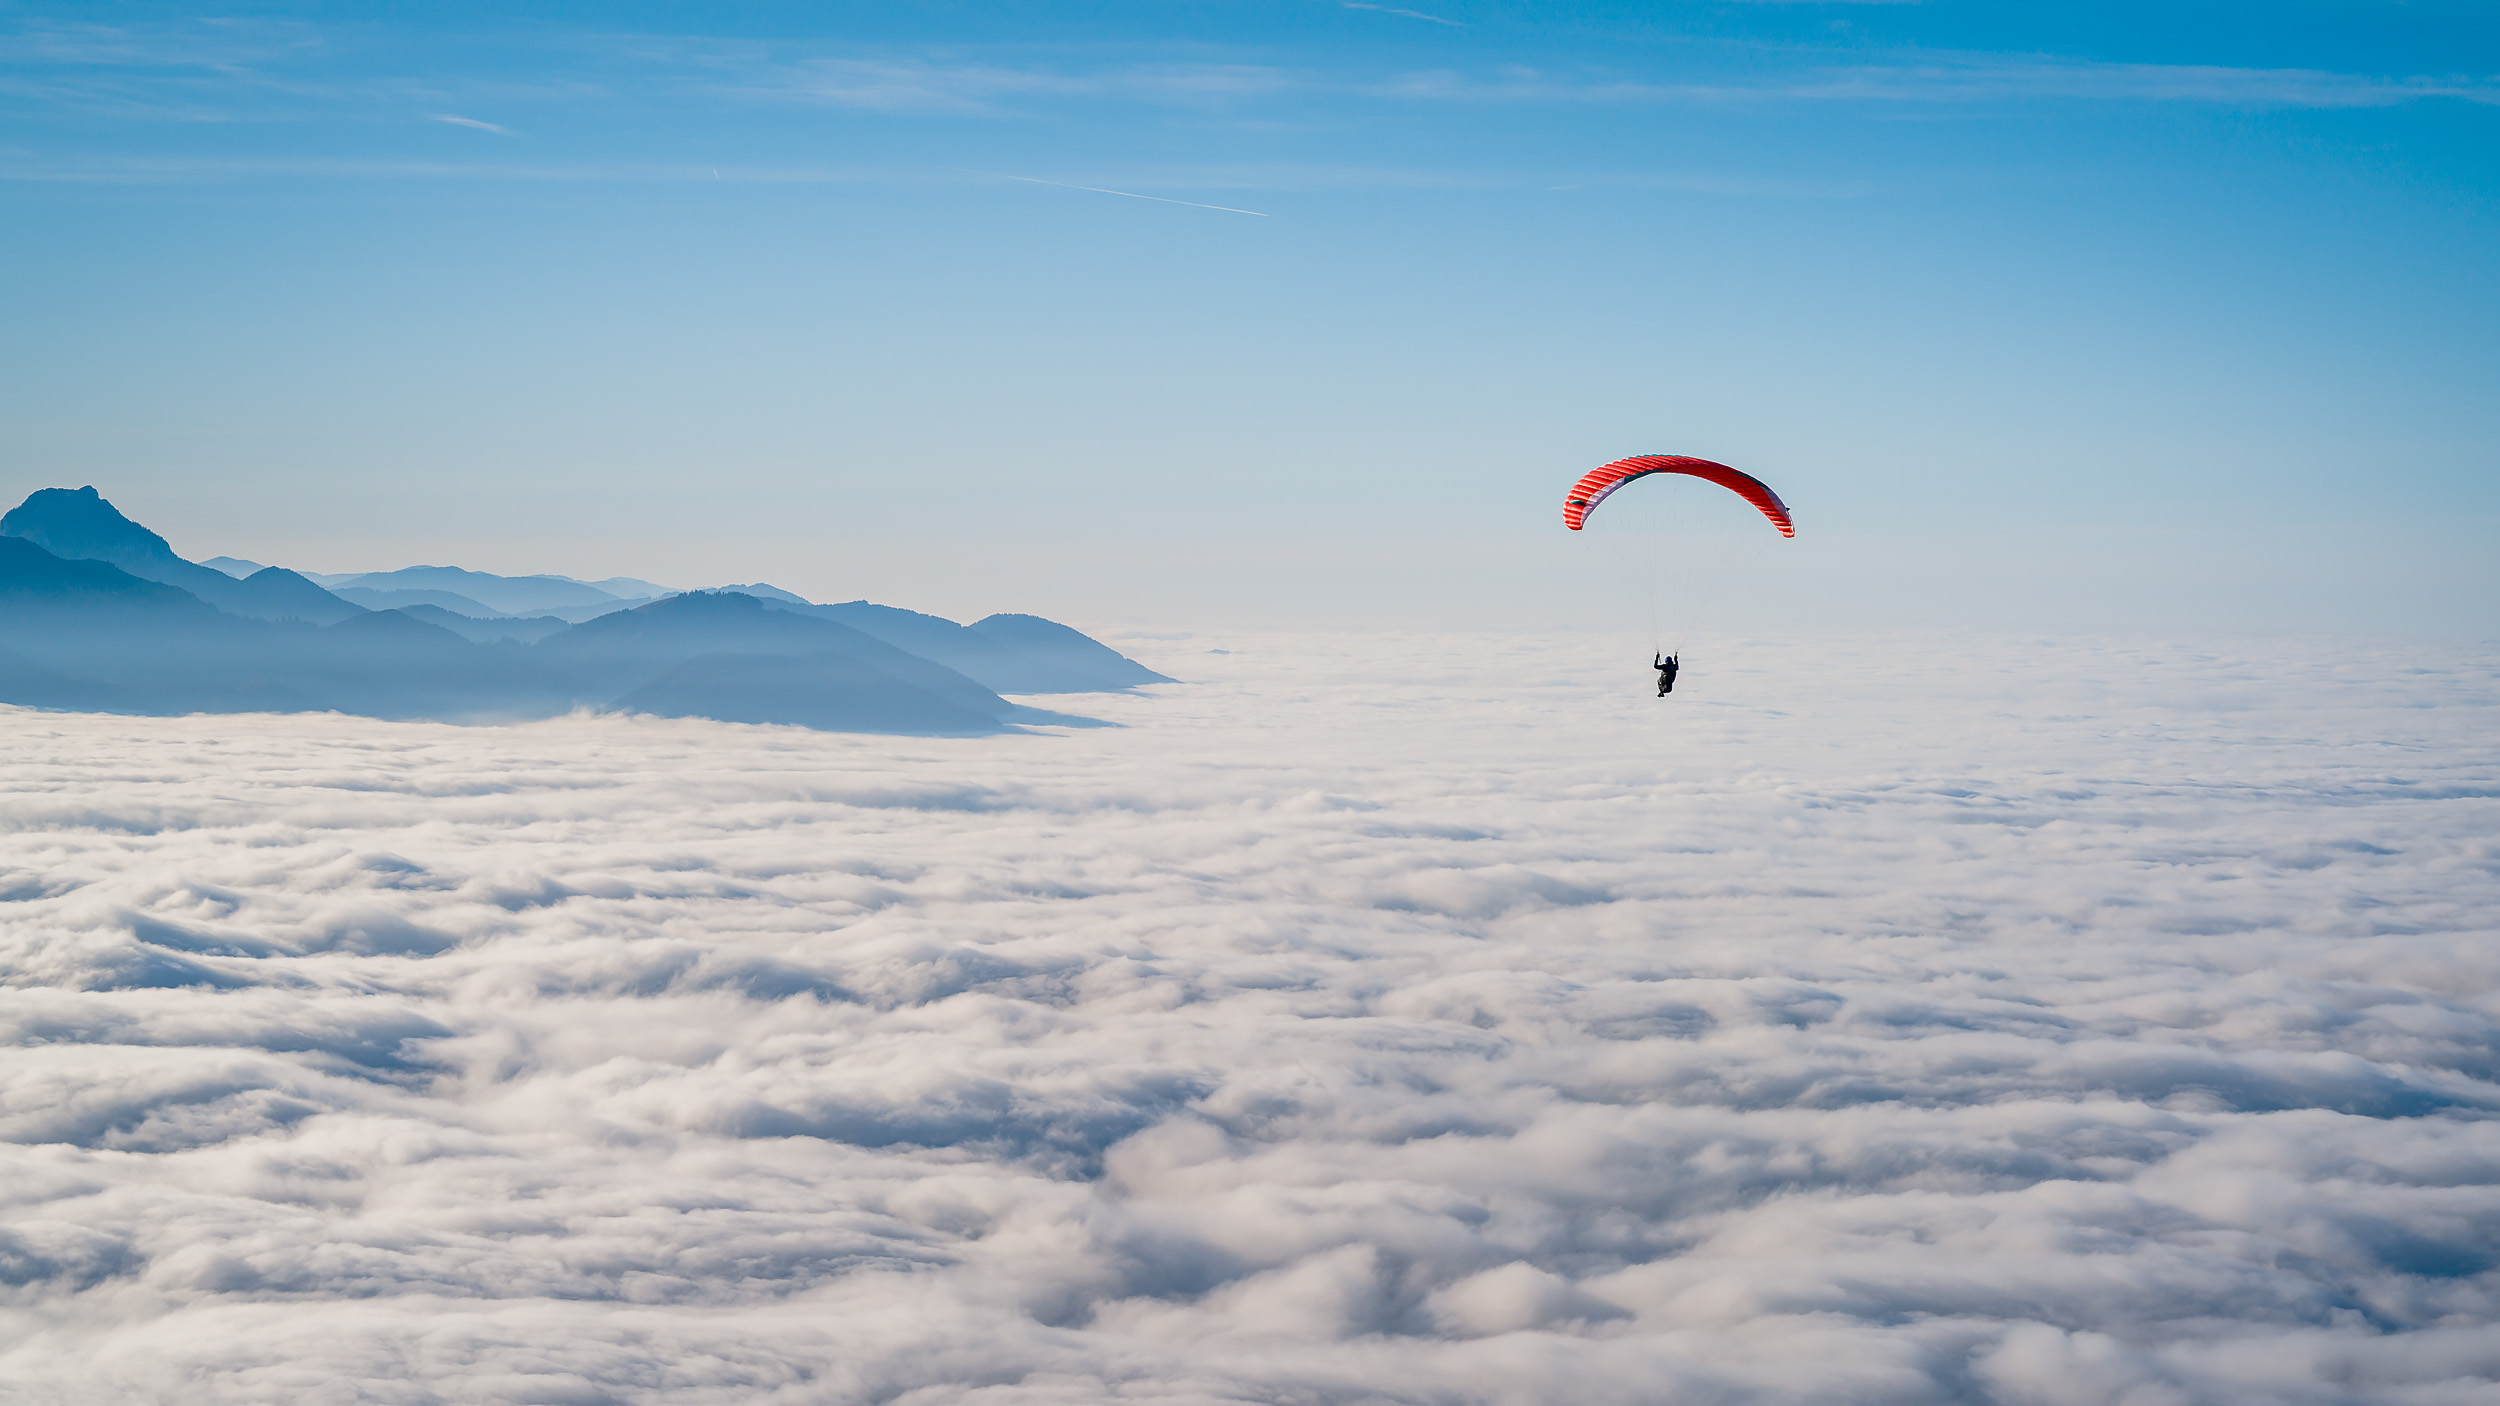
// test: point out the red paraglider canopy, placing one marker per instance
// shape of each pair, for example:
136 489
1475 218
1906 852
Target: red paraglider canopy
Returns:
1592 489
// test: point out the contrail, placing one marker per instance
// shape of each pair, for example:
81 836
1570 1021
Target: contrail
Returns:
1133 195
1410 14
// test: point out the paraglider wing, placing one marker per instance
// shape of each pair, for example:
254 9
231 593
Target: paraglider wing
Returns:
1593 488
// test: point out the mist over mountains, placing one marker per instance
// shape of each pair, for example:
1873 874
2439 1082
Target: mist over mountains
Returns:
99 614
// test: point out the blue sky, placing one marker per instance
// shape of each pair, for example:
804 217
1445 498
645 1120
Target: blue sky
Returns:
2106 316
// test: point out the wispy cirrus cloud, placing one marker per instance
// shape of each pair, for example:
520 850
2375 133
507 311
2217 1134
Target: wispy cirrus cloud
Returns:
94 169
208 44
934 88
911 86
178 170
903 85
1958 80
254 71
250 72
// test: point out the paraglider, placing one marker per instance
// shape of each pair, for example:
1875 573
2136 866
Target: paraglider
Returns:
1600 483
1646 556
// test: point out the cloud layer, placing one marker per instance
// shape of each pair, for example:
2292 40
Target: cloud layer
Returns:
1435 1021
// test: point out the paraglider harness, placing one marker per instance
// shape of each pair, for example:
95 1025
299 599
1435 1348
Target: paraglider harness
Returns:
1666 666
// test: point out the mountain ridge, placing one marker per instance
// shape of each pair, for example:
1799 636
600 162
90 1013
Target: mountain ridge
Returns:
79 524
97 630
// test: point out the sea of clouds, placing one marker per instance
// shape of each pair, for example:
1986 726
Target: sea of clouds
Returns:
1362 1020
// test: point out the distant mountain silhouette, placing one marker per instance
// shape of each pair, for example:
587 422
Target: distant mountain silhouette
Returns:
615 650
79 524
527 629
236 567
576 614
1047 643
130 644
372 599
275 593
834 692
35 580
628 587
389 664
102 619
138 646
1014 658
768 593
934 637
399 631
507 595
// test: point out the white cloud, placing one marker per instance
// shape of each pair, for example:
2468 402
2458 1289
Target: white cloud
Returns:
1433 1021
1961 79
931 87
905 84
